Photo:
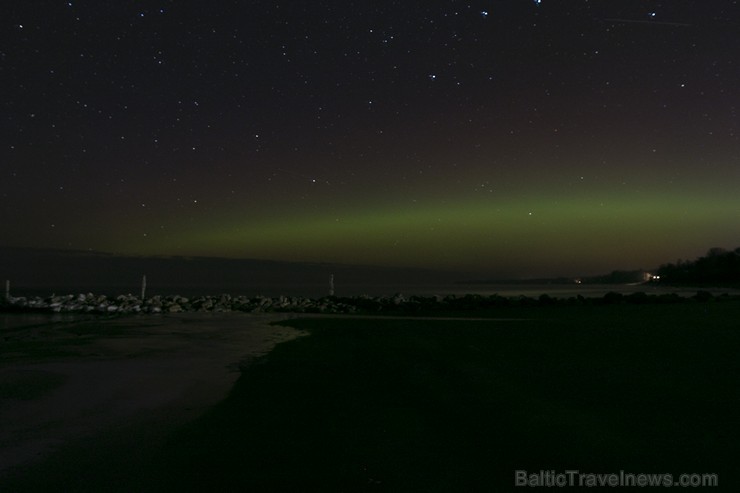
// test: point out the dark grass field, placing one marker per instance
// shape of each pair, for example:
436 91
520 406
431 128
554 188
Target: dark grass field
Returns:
368 404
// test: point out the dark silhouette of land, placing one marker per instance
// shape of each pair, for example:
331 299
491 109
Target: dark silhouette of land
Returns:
718 267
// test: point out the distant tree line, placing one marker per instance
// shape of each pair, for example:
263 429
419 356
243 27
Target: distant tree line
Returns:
718 266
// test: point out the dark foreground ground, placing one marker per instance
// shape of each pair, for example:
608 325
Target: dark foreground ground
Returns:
368 404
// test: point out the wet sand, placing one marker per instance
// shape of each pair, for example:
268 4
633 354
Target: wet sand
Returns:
163 369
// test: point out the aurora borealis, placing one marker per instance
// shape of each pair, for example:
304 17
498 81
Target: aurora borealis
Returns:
505 138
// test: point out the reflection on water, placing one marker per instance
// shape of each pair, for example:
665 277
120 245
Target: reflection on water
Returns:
18 320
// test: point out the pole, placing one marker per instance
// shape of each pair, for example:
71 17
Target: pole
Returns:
143 287
331 285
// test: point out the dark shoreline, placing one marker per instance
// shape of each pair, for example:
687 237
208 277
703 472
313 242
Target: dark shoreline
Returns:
405 404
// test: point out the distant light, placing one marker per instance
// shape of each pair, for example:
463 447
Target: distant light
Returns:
484 13
537 2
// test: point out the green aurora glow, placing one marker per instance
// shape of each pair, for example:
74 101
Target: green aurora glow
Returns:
544 139
530 235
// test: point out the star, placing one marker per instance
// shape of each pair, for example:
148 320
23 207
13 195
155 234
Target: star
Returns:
377 100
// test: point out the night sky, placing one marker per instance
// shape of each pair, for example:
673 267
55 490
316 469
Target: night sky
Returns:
502 137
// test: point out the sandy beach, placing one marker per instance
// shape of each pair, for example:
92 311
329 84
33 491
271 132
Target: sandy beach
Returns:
126 372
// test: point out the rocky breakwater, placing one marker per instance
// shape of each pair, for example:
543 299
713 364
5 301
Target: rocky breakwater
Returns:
393 305
127 304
